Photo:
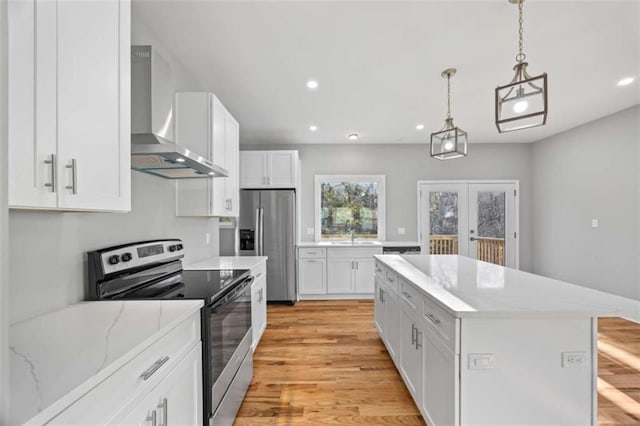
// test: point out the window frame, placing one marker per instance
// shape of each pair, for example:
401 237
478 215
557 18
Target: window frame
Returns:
379 179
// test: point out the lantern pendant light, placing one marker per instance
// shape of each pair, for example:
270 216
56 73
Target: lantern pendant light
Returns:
523 102
450 142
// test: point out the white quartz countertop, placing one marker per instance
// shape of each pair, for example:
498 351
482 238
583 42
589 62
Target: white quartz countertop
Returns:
56 358
469 288
227 262
365 244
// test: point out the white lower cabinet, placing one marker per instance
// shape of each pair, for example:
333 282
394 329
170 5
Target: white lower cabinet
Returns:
411 360
258 307
312 276
439 387
176 399
336 272
392 324
379 305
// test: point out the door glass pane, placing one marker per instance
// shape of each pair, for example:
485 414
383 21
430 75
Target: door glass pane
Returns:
443 213
491 227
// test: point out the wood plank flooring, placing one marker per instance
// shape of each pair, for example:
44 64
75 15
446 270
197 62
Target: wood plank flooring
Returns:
322 363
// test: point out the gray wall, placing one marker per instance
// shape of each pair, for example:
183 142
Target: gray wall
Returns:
403 166
590 172
4 262
48 262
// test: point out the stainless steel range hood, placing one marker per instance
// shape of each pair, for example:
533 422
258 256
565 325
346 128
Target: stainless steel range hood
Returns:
152 150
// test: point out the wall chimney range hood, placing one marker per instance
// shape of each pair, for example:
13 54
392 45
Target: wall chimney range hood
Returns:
152 150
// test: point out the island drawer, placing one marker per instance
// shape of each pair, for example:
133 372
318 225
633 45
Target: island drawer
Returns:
312 253
439 320
136 377
409 295
391 279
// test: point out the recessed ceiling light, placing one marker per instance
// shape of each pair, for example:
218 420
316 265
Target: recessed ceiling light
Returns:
180 160
312 84
626 81
353 137
313 128
420 127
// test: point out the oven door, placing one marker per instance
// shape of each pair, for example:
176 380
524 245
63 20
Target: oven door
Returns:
228 323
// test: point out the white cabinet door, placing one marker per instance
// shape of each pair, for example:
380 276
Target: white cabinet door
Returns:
440 378
32 104
219 149
313 278
253 169
232 145
364 277
411 355
93 87
70 129
282 169
258 309
379 307
392 324
340 275
176 399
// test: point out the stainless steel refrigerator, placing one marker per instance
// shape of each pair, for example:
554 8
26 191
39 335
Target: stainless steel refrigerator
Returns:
267 227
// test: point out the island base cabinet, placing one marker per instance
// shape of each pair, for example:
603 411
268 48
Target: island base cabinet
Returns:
177 398
411 362
392 325
258 309
379 307
440 382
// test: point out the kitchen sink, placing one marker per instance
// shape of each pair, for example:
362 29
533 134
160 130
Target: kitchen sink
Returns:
355 243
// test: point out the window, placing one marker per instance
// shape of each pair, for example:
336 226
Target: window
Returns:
349 203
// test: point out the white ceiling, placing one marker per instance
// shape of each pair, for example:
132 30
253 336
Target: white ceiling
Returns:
378 63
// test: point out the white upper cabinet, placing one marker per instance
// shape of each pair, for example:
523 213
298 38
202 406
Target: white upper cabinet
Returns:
204 125
268 169
69 105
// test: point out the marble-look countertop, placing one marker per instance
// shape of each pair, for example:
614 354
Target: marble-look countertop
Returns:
57 357
470 288
227 262
374 244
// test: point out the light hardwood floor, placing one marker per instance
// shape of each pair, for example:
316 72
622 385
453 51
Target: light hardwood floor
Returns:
323 363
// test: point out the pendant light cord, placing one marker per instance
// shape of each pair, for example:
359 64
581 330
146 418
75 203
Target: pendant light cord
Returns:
521 56
449 96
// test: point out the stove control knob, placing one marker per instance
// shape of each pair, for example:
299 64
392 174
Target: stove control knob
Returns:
172 248
179 246
126 257
114 260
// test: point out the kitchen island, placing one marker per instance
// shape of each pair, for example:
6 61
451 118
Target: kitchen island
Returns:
478 343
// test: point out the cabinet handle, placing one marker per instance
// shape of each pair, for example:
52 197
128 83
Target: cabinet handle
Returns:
152 418
433 318
382 295
164 405
418 334
74 176
357 266
406 295
155 367
52 161
413 334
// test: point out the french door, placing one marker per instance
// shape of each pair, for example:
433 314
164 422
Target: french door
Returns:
476 219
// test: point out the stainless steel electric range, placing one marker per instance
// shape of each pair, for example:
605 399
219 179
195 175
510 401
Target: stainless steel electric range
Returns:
153 270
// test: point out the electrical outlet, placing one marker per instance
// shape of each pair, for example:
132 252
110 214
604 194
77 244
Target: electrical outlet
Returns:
481 361
594 223
310 231
401 231
574 359
207 238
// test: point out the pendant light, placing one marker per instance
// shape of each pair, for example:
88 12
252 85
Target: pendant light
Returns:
451 141
523 102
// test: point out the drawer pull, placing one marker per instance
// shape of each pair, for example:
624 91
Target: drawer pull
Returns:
152 418
155 367
164 405
433 318
406 294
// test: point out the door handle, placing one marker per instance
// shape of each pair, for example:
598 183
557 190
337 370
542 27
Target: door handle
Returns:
164 405
473 239
52 184
74 176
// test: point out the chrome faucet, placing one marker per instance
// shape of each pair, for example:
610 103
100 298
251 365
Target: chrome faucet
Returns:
353 237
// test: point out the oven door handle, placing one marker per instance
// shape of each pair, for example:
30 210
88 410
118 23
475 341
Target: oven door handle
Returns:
235 295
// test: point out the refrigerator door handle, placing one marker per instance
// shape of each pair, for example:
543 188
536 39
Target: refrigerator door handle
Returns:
261 232
256 236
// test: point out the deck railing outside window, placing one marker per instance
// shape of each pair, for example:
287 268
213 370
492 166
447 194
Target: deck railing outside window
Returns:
488 249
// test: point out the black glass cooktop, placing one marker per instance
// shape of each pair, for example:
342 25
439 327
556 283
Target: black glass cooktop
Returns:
208 285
